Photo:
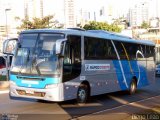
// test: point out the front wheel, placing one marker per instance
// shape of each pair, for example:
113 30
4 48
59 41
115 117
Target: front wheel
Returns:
82 94
133 87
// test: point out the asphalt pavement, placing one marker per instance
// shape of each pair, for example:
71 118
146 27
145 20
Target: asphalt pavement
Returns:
112 106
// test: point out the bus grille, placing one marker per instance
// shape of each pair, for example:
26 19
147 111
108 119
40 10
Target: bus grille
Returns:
36 94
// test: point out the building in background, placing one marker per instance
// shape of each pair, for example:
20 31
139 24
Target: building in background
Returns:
70 13
105 13
154 22
144 10
139 13
154 8
83 17
33 8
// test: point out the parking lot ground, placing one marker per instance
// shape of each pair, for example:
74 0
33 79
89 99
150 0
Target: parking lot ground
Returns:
148 109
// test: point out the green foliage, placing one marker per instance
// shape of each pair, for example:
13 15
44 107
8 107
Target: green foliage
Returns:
145 25
3 78
93 25
37 23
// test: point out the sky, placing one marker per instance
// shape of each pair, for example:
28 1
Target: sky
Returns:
120 7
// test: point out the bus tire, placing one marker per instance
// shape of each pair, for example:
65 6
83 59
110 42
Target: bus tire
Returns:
82 94
133 87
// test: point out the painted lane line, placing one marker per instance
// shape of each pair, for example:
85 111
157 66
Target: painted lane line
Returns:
4 91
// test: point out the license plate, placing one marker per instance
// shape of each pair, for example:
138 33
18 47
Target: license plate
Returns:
29 92
30 82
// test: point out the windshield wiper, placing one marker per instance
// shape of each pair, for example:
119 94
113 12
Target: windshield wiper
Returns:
36 63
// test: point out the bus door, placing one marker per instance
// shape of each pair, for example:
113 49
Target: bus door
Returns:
71 65
72 58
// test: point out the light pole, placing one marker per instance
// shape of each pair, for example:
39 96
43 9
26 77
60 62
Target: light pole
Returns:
7 9
7 58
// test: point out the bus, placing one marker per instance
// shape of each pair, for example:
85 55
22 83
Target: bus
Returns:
64 64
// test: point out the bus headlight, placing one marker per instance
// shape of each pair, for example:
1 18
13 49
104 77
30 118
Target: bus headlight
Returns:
12 83
50 86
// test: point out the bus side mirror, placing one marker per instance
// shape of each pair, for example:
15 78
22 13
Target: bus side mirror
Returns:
60 46
9 46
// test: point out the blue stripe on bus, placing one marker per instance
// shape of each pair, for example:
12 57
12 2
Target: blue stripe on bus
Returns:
39 84
129 75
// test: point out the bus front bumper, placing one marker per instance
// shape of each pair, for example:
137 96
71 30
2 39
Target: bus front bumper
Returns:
52 94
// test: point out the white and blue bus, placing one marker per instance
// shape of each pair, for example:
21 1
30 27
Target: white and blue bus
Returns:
59 65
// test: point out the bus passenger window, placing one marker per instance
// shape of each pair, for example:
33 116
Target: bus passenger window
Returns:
67 65
121 50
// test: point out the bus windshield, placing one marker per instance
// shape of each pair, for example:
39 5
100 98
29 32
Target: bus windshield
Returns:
36 54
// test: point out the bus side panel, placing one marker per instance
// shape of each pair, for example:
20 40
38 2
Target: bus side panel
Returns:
123 73
126 70
106 81
142 79
70 89
101 81
151 72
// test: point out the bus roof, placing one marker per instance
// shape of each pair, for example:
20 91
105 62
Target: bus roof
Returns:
93 33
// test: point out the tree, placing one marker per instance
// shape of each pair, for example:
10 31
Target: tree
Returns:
37 23
145 25
93 25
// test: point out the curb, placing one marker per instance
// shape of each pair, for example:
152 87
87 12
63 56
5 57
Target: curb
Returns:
4 91
4 85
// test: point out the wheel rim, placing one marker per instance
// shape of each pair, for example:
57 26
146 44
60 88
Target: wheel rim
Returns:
82 95
133 87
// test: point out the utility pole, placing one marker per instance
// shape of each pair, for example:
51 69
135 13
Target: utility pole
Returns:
7 58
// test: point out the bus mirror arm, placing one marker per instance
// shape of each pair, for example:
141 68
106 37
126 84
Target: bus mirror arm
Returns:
60 46
61 55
